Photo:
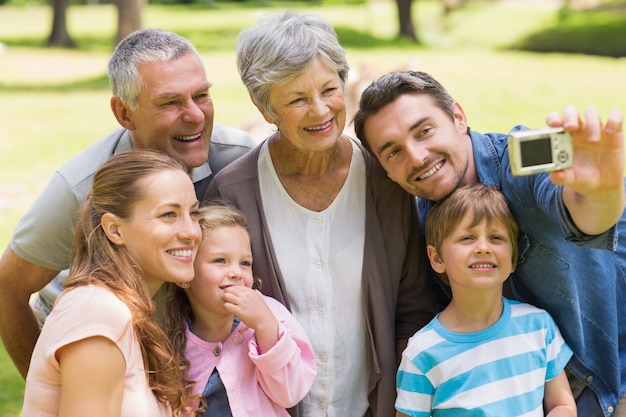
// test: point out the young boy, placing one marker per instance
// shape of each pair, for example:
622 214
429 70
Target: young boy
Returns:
483 355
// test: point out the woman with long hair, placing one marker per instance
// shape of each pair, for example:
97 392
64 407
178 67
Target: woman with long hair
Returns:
101 351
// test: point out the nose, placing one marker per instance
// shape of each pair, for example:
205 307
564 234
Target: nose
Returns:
482 245
416 153
318 106
234 272
190 229
193 113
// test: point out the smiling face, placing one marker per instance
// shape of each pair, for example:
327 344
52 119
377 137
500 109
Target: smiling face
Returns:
162 233
224 260
310 109
422 149
175 112
475 256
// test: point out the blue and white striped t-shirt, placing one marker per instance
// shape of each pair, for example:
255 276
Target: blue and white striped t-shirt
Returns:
499 371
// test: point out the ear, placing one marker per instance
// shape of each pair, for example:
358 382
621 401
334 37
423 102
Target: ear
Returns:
267 118
112 227
122 113
459 118
435 260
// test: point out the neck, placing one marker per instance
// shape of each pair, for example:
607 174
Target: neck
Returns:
471 175
289 160
216 329
153 287
472 313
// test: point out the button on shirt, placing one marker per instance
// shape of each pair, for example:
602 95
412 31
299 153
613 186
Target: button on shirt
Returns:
320 255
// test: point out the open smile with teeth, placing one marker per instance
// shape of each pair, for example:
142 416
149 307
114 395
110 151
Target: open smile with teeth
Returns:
187 138
431 171
482 266
318 128
181 253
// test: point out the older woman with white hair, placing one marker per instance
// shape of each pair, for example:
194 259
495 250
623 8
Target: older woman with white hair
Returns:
334 239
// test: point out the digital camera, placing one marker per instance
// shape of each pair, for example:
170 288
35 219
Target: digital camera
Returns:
540 150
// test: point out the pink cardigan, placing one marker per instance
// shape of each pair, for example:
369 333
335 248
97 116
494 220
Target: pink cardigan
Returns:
257 384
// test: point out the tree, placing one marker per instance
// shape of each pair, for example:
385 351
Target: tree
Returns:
406 29
128 17
59 35
128 20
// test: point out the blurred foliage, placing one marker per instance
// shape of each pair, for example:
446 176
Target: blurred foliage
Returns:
597 31
202 3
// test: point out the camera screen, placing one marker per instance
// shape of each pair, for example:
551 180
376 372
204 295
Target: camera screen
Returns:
536 152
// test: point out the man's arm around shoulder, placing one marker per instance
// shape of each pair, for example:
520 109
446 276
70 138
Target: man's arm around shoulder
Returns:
18 326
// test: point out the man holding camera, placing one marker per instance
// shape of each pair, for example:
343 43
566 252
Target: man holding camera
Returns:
571 262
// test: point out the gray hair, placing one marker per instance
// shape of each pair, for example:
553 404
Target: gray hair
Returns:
390 87
281 47
140 47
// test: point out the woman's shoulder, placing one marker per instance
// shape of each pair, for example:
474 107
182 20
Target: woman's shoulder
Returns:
87 294
88 303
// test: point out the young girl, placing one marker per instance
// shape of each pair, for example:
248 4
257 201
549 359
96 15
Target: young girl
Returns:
247 354
101 352
483 355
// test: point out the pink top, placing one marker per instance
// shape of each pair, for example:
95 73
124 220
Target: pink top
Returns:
81 313
257 384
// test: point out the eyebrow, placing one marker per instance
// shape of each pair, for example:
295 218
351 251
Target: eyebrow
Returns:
390 143
176 205
325 84
170 95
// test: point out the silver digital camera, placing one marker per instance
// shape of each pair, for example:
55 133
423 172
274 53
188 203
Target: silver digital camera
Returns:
540 150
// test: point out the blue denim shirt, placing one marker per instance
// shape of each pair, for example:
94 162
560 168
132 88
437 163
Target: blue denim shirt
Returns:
578 279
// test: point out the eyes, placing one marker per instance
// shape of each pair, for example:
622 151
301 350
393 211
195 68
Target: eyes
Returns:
327 92
180 101
395 151
172 214
224 261
472 238
494 237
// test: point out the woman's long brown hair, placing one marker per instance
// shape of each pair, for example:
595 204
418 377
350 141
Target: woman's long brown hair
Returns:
95 260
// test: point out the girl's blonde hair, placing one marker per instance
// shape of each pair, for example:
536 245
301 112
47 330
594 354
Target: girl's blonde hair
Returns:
177 307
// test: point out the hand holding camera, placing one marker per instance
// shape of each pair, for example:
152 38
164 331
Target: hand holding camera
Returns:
584 155
541 150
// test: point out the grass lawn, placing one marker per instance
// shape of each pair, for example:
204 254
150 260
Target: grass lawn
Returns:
55 102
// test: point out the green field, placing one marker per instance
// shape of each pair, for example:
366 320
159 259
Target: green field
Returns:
54 102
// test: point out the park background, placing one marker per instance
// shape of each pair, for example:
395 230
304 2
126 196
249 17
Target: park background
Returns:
506 61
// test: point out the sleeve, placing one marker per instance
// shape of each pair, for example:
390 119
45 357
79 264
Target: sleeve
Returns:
549 198
85 312
286 372
558 351
415 391
44 234
544 195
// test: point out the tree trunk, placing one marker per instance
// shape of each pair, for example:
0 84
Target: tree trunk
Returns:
128 17
59 36
404 18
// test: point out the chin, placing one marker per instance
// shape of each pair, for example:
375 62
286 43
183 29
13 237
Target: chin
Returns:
194 161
